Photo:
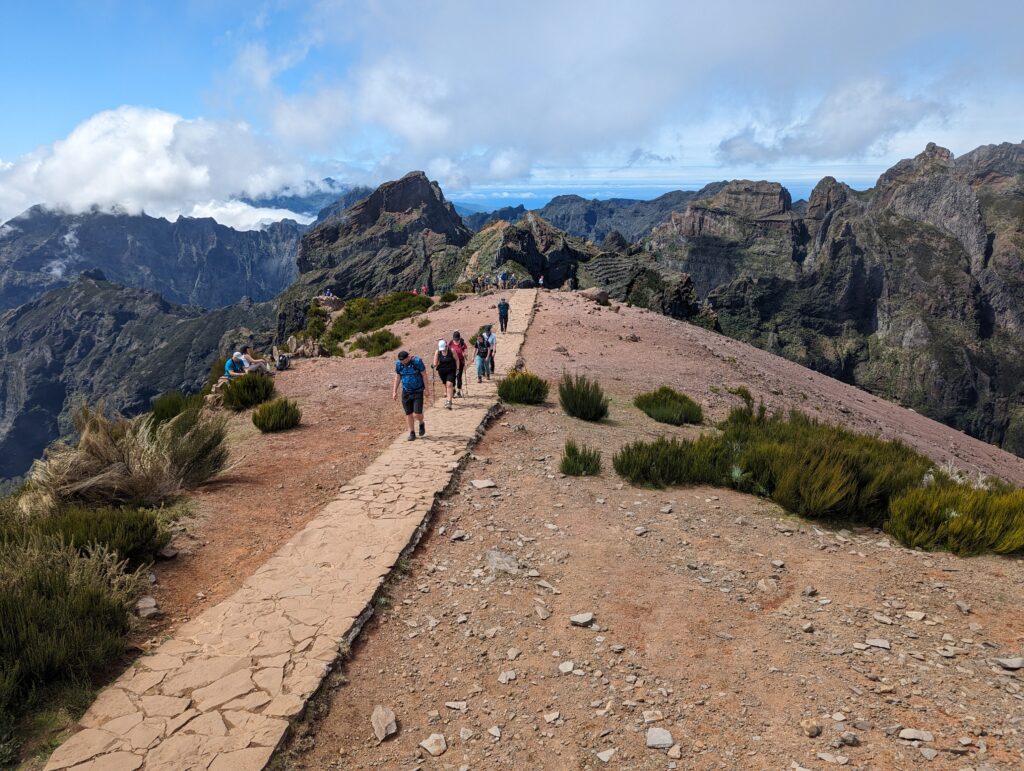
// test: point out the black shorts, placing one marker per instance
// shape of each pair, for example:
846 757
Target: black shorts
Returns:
447 376
412 402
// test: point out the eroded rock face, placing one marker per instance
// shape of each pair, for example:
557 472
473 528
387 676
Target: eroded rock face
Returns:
913 290
188 261
96 340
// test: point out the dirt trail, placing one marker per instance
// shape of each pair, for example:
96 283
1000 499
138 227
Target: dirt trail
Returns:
716 617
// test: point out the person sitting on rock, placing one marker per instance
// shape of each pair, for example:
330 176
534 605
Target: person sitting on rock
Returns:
234 367
254 365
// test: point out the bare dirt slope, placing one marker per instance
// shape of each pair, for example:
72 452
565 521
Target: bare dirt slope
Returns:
716 617
278 482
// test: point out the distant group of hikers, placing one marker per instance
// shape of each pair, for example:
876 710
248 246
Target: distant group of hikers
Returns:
503 280
449 364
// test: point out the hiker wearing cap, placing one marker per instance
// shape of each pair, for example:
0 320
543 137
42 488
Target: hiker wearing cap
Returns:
234 367
503 309
458 346
409 374
446 365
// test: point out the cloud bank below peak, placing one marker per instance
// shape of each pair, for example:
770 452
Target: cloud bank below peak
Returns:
138 159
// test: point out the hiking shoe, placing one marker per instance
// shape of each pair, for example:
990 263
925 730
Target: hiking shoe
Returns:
448 405
412 436
423 428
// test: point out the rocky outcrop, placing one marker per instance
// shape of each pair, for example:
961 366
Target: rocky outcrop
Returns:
479 220
744 229
400 237
595 219
913 290
94 340
188 261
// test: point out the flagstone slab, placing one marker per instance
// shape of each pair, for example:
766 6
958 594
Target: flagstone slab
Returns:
219 693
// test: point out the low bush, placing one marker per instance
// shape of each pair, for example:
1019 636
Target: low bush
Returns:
316 321
424 322
669 406
65 617
522 387
278 415
129 462
133 534
172 404
582 398
449 297
366 315
665 462
580 461
241 393
378 343
959 518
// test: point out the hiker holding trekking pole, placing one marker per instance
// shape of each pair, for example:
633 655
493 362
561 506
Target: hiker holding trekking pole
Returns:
446 366
458 346
409 374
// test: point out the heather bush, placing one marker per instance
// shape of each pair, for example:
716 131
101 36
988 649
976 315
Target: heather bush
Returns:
582 398
278 415
367 315
378 343
580 460
959 518
522 387
449 297
241 393
669 406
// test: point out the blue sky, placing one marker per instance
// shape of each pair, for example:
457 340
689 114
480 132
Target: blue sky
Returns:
183 107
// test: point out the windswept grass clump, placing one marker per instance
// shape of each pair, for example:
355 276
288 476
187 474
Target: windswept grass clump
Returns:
667 405
278 415
580 460
582 398
378 343
959 518
129 462
522 387
241 393
172 404
367 315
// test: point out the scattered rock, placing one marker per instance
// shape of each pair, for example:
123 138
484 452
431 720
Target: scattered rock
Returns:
768 585
483 484
878 643
641 531
1013 664
460 535
810 727
659 738
606 755
384 722
507 676
500 562
542 613
551 717
435 744
808 627
964 607
566 667
582 619
494 731
456 705
809 591
167 553
929 753
915 734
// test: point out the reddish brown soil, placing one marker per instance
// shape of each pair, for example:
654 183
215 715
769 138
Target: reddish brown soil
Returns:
277 482
712 650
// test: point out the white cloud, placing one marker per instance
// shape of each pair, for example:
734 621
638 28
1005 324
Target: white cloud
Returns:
853 121
148 160
242 216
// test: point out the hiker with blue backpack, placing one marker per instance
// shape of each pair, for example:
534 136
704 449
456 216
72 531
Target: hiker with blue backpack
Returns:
409 374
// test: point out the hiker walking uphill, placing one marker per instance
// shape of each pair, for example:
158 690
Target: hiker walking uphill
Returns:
446 365
458 346
483 357
492 342
503 309
409 374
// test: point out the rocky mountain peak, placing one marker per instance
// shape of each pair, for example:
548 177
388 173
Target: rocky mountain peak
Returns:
753 200
827 196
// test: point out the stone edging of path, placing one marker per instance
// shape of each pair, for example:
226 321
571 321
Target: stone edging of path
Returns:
219 694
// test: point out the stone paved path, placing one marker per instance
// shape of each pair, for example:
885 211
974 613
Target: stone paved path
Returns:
218 694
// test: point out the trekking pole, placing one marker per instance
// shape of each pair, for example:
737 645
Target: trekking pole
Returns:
433 391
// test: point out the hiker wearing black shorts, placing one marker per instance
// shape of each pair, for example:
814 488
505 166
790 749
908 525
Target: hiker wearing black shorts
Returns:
458 346
503 308
409 374
447 366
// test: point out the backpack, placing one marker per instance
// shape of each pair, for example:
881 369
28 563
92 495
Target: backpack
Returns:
282 362
482 345
411 374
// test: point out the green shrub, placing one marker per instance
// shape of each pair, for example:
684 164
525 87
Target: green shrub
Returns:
129 462
449 297
582 398
424 322
316 321
960 519
363 315
240 393
172 404
278 415
65 617
665 462
378 343
580 461
669 406
522 387
133 534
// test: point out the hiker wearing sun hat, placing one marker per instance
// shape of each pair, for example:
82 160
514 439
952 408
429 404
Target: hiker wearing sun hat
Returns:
446 364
